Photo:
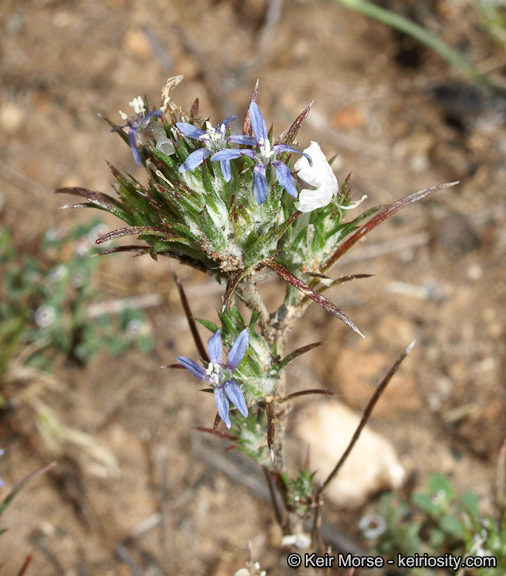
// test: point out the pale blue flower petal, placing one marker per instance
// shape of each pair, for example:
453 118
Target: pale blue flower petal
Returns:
153 114
250 153
236 396
194 159
243 139
133 145
238 350
226 155
260 186
189 130
225 123
225 170
257 122
222 404
285 148
214 348
285 178
196 369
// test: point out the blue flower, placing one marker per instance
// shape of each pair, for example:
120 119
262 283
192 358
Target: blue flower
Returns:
142 121
264 155
220 377
214 140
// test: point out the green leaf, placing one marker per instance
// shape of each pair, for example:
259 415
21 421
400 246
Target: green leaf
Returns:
438 483
207 324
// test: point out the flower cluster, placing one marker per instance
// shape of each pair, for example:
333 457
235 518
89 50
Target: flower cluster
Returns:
312 168
264 155
221 377
214 140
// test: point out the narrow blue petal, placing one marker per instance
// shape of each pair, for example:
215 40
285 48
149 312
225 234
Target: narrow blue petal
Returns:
154 114
238 350
214 348
225 170
189 130
242 139
236 396
251 153
194 159
133 145
226 122
257 122
260 186
285 178
196 369
226 155
285 148
222 404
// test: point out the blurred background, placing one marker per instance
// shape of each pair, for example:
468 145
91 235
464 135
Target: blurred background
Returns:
136 487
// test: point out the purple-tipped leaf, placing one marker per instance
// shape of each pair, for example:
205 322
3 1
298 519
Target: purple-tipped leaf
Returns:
246 125
306 393
313 294
296 353
100 200
388 210
162 230
189 317
295 127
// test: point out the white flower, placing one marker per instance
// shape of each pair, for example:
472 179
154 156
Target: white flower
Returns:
299 540
319 175
372 526
45 316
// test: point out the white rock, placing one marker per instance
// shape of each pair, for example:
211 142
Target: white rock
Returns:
371 467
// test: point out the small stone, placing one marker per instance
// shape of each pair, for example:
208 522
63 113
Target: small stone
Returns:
12 117
371 467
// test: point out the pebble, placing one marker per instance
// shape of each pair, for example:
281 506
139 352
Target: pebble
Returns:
12 117
371 467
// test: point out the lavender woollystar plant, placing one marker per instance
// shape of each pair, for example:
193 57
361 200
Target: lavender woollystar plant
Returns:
142 121
214 139
264 155
225 387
